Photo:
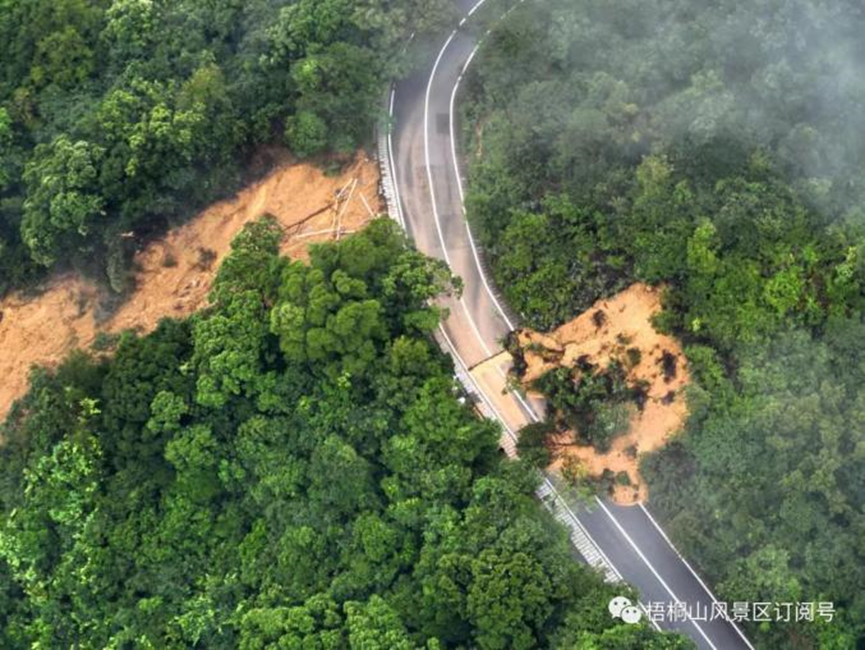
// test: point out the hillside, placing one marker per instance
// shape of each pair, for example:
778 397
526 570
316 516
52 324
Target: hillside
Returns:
617 330
714 149
291 467
173 274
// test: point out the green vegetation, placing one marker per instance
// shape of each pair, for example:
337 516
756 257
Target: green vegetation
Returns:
533 443
290 468
593 403
716 148
121 116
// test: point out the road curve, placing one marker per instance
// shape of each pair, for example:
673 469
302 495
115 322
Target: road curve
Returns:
429 202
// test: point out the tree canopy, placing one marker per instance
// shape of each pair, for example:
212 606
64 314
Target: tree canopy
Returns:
714 149
291 468
123 116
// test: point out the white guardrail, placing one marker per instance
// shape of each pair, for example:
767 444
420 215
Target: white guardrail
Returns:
547 492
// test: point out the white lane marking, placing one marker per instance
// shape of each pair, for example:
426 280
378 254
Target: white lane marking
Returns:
526 406
426 139
651 568
476 7
462 194
475 329
694 573
460 180
392 165
426 146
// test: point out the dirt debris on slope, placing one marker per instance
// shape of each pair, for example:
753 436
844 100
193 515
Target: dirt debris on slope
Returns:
613 329
175 273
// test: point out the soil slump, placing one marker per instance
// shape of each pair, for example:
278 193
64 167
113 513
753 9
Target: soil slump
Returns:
175 273
619 328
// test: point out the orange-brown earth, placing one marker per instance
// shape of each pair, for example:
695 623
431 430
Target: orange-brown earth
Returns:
626 323
174 273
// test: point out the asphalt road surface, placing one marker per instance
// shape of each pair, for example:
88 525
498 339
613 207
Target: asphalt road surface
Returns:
429 194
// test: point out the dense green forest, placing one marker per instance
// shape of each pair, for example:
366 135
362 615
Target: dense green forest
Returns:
293 467
717 148
122 116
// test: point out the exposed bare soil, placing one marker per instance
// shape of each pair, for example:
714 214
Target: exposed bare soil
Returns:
625 324
175 273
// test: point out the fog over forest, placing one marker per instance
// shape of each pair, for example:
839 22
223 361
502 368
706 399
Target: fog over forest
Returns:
716 149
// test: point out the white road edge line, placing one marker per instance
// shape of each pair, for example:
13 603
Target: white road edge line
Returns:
426 138
651 568
476 7
462 193
694 573
392 164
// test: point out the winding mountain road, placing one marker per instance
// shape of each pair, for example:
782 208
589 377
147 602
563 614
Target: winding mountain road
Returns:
624 542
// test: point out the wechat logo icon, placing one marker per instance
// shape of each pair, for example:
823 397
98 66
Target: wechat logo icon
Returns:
621 607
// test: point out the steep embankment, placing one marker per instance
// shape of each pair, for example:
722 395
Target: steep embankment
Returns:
174 274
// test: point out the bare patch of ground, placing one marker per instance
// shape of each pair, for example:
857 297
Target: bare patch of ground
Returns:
613 329
175 273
